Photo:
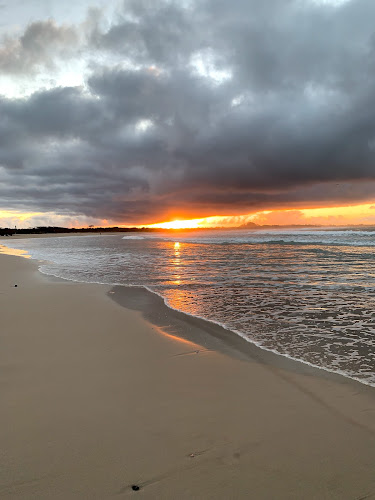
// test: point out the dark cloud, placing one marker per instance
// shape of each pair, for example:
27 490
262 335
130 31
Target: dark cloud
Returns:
150 32
213 107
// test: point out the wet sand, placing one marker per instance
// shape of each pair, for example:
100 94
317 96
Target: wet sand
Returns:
104 388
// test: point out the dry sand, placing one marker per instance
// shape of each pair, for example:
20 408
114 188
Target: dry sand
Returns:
96 397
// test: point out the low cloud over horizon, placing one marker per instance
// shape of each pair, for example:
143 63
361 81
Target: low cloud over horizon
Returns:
165 109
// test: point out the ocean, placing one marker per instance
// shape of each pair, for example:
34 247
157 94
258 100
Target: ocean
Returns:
305 294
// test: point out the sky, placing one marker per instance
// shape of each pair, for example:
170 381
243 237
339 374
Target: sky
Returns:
135 112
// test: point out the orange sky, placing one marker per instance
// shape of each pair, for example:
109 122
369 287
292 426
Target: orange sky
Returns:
356 214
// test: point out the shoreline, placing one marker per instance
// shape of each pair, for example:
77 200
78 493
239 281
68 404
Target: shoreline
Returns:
218 337
96 398
229 341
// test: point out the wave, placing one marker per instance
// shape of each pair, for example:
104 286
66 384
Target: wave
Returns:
293 237
258 344
256 241
133 237
113 278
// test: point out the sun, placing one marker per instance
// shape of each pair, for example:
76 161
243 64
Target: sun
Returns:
178 224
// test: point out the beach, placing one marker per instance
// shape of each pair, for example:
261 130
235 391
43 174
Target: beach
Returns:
103 389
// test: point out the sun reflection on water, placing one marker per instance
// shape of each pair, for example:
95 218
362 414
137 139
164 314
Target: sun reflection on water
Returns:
176 263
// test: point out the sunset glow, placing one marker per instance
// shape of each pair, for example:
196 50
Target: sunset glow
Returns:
178 224
19 219
325 216
330 216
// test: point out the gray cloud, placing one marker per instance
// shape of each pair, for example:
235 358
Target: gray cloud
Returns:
37 47
215 107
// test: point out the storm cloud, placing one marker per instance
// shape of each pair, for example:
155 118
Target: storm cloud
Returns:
194 109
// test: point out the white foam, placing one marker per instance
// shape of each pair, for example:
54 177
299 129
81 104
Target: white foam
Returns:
303 304
133 237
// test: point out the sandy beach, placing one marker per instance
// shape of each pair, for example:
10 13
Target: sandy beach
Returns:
104 388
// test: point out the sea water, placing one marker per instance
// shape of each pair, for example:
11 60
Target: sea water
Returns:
306 294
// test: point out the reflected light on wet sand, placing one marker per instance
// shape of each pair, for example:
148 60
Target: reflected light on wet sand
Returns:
14 251
174 337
